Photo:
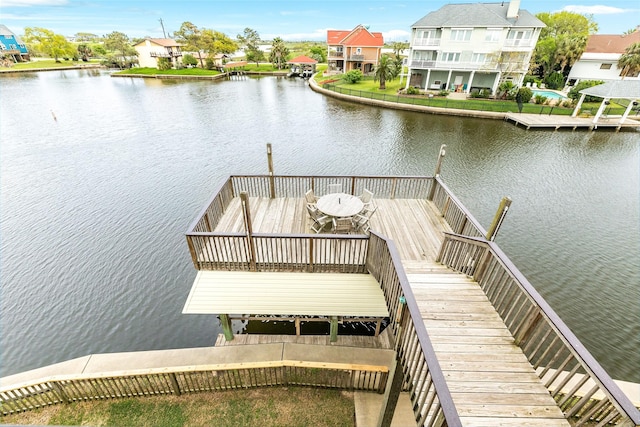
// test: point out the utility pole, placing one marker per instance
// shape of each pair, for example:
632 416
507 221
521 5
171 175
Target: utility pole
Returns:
162 25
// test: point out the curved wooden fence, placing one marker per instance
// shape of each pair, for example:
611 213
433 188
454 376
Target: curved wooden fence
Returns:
583 390
185 379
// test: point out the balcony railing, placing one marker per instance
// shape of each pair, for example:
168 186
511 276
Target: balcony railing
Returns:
424 64
523 43
165 54
357 58
335 54
426 42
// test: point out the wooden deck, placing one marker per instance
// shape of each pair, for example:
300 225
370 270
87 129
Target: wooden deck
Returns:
491 381
414 225
545 121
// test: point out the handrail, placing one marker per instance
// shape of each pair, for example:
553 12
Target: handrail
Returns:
456 214
423 376
566 367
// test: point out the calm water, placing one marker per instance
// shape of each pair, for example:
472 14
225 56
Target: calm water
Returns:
101 177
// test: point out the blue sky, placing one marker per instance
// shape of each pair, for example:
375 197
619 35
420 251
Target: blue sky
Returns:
291 20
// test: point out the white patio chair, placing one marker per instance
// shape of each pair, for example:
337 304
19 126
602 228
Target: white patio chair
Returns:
342 225
366 197
361 221
310 197
318 220
335 188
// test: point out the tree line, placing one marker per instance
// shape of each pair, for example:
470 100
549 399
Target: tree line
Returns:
560 45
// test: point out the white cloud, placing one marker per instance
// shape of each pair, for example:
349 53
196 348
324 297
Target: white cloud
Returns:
28 3
594 10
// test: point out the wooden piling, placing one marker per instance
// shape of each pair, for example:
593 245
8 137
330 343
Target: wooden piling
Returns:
498 218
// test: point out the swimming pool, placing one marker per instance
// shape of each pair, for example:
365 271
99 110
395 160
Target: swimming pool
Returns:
548 94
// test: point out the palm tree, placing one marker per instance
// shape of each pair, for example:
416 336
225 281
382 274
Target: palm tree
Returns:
629 62
384 71
279 53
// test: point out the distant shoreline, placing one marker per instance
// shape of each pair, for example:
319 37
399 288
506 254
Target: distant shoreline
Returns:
70 67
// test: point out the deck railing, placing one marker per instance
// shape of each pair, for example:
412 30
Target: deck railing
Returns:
189 379
423 378
215 250
583 390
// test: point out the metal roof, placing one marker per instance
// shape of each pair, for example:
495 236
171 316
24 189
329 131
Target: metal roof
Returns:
290 294
620 89
478 15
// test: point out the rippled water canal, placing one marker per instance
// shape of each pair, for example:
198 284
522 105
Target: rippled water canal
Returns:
101 177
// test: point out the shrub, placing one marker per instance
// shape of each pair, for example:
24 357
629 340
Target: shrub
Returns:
164 64
353 76
540 99
443 92
209 64
555 81
413 91
524 95
574 93
507 90
189 60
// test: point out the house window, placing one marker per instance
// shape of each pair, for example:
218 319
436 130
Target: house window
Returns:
519 37
451 56
605 66
479 58
493 35
358 50
461 34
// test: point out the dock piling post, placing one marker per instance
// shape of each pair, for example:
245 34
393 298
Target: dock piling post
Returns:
272 183
334 329
498 218
226 327
436 174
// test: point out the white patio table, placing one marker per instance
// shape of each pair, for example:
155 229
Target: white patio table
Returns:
340 205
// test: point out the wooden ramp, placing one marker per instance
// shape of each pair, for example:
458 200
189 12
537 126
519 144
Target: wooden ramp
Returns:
491 381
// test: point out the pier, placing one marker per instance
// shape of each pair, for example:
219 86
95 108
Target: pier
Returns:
557 122
475 343
467 339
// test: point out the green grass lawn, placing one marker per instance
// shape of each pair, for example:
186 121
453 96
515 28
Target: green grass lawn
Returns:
265 406
181 72
368 88
48 63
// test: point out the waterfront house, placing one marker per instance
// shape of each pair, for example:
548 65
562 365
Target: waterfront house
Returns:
358 49
471 47
149 50
599 60
11 46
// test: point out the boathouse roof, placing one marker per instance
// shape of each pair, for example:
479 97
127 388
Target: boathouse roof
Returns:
620 89
302 59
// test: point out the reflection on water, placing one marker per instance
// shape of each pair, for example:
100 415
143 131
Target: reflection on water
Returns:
95 204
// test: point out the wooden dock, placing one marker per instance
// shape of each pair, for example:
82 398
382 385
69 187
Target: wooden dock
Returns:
491 381
540 121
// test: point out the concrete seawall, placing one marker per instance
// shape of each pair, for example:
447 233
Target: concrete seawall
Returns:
407 107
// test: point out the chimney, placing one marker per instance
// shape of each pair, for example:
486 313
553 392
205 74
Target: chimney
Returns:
514 7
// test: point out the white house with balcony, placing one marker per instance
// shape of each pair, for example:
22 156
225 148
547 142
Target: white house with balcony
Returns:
472 47
149 50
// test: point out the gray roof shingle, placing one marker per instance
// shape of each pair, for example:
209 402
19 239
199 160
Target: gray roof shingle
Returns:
477 15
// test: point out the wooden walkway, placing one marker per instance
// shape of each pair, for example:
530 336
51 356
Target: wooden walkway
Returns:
546 121
491 381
